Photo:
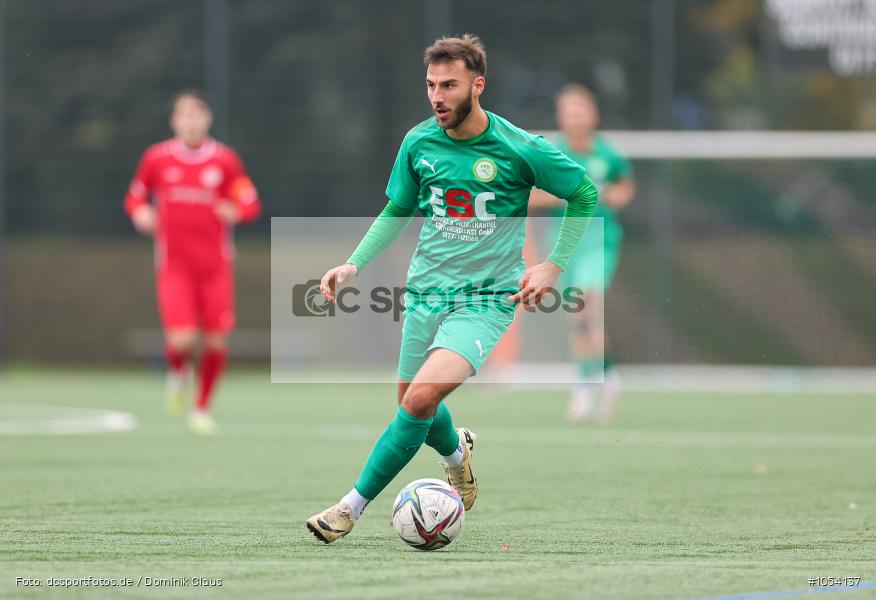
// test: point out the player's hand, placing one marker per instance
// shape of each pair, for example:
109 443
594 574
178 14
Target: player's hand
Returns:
333 277
617 195
228 212
535 283
145 219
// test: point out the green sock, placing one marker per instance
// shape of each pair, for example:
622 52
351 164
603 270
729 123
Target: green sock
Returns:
394 449
591 367
442 436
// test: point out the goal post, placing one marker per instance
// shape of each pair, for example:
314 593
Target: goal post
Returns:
740 145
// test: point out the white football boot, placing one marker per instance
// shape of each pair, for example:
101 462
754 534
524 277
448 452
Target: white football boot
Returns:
332 524
580 403
461 477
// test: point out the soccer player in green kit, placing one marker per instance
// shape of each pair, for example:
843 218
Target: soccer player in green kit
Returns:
470 172
577 116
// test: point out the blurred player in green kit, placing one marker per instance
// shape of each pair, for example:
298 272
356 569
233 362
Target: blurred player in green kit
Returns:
577 116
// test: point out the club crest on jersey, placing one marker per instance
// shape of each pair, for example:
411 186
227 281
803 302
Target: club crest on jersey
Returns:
485 169
211 176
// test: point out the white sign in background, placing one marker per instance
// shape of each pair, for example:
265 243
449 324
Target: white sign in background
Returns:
845 28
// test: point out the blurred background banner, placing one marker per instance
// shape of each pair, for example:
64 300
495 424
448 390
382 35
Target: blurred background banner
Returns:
749 260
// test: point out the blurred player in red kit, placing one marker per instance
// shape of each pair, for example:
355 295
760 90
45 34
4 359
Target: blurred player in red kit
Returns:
188 193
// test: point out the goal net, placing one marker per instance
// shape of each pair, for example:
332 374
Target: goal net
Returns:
754 248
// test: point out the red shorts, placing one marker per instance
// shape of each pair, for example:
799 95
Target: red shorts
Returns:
197 299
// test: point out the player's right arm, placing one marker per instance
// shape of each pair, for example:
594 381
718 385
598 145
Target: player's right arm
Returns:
388 225
402 191
138 203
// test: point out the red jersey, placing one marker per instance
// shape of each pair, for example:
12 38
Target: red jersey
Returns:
186 185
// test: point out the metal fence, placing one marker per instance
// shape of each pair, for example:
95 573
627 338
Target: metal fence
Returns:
316 98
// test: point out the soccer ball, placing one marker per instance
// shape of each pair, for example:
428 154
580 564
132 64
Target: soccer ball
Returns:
428 514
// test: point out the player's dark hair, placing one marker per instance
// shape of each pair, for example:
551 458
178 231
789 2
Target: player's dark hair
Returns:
187 93
469 49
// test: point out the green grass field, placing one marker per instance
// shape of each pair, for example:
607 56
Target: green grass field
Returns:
686 496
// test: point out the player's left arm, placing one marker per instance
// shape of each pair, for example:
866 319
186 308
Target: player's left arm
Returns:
240 202
552 171
621 188
538 280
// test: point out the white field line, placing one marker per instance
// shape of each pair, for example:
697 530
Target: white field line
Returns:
22 419
560 436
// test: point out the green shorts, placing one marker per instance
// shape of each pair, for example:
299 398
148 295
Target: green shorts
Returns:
594 261
470 332
592 269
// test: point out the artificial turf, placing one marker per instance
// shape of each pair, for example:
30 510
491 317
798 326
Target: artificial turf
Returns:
684 496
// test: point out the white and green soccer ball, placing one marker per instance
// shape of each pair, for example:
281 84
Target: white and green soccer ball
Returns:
428 514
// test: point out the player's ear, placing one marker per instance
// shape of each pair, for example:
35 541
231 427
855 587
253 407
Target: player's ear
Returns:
209 119
478 85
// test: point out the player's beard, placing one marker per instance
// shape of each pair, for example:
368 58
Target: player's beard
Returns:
459 114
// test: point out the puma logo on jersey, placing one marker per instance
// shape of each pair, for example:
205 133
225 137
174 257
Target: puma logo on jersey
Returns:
480 348
431 166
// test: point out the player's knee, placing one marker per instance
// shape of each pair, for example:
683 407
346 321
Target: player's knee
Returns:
215 341
402 389
181 341
421 400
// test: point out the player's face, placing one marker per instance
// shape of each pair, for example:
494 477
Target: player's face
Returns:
452 90
576 114
191 120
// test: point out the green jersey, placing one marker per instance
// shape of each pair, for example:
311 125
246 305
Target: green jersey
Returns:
474 194
605 165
